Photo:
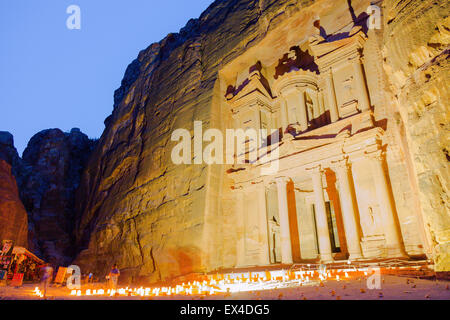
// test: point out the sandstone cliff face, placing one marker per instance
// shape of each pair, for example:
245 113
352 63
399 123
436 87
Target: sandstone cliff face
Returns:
139 210
52 165
9 153
47 179
13 217
416 52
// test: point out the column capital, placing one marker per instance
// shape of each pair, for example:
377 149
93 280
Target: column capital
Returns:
375 154
342 163
316 169
254 104
282 179
356 59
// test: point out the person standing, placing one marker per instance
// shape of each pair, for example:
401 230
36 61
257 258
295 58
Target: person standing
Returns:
46 278
114 276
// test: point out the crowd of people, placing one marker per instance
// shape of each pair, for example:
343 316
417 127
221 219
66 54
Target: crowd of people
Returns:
30 268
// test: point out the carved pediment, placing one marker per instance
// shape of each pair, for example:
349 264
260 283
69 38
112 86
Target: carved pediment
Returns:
253 86
295 60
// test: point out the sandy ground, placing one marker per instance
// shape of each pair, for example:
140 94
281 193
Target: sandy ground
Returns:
392 288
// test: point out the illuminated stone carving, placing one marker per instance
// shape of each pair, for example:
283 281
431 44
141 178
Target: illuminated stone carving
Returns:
338 94
326 118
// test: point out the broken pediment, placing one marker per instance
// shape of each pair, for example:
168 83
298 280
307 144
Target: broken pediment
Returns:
333 52
256 82
295 60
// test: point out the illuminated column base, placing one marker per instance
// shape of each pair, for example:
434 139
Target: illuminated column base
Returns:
394 243
349 214
323 233
286 249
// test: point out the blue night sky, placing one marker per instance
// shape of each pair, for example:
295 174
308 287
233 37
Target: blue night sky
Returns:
53 77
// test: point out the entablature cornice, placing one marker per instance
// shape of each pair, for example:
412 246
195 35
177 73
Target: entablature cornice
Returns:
352 149
254 99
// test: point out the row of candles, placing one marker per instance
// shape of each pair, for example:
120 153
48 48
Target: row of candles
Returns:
229 283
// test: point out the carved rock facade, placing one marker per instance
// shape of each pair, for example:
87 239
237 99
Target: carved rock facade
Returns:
346 185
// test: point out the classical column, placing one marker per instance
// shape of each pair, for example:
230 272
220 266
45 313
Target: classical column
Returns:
284 114
321 99
257 116
316 106
323 233
285 233
302 111
321 104
240 230
392 233
364 102
331 94
349 213
263 225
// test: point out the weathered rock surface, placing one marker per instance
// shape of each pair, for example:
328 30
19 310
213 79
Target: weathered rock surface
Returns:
47 177
13 217
139 210
9 153
52 165
416 61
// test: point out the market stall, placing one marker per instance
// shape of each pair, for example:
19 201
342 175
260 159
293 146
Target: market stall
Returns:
26 263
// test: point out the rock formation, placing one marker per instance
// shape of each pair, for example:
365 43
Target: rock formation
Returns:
13 217
138 209
52 165
47 176
416 61
128 203
158 220
9 153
